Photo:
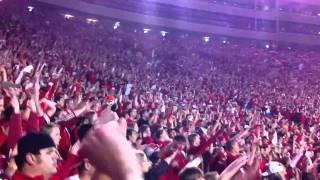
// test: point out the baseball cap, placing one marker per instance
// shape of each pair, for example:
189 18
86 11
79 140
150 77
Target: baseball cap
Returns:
32 143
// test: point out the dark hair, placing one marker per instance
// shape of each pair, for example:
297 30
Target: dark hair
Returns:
8 112
82 167
83 130
143 129
192 137
130 111
191 174
180 138
114 107
229 145
130 132
142 112
58 97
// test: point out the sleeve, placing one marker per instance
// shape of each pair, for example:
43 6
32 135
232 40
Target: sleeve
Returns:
53 88
67 166
33 123
15 130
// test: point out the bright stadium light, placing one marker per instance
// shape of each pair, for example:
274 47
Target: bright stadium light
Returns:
146 30
266 8
116 25
206 39
91 21
30 8
163 33
68 16
267 46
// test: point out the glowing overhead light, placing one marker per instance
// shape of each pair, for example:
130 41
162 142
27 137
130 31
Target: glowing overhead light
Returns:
116 25
266 8
68 16
146 30
163 33
30 8
91 21
318 14
206 39
224 41
267 46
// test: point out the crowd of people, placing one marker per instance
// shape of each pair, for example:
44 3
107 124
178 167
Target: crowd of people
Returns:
93 101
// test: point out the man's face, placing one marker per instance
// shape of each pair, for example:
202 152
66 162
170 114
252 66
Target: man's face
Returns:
236 147
180 145
134 137
196 142
47 160
55 135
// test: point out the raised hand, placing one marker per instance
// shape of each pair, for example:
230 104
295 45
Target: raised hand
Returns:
13 94
107 116
110 152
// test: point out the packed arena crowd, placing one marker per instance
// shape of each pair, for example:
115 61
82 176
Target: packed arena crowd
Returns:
89 101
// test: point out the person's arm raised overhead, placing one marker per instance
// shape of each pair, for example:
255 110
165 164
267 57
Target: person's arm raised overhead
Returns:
233 168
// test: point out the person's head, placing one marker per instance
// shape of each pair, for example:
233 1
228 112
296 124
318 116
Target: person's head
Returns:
83 130
59 100
132 135
180 142
132 113
191 174
276 171
37 155
145 131
144 114
68 103
172 133
144 162
190 117
53 130
194 140
159 134
233 146
86 169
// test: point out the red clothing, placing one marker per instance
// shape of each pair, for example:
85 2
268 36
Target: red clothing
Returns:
175 167
196 151
130 122
230 158
15 130
20 176
162 143
147 140
65 168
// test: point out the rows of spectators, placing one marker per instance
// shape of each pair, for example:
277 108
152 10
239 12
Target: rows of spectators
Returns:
88 101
